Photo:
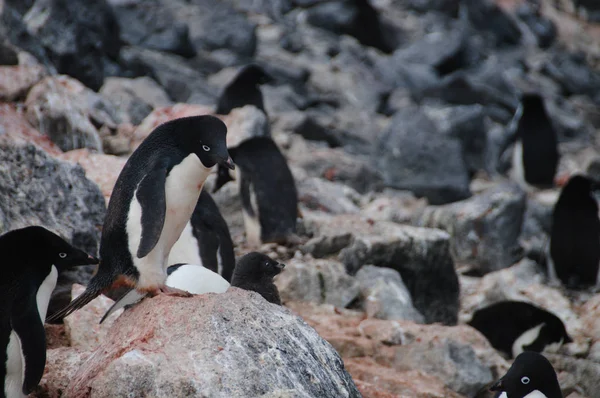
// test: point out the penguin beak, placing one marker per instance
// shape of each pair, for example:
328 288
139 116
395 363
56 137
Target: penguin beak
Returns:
497 386
280 266
91 260
228 162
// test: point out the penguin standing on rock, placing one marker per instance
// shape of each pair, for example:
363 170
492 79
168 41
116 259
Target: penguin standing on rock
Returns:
152 201
535 157
32 257
514 326
575 235
206 240
267 189
254 271
530 376
244 90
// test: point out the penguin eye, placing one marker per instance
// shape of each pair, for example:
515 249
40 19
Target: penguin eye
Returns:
525 380
206 148
62 255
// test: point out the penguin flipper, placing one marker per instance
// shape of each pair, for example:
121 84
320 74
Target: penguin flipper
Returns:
80 301
26 323
129 298
152 198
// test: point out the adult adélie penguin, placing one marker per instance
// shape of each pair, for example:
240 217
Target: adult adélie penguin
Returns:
152 201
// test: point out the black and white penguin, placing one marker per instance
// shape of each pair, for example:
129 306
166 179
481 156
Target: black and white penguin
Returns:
191 278
32 258
267 190
255 271
244 90
206 240
535 157
514 326
530 376
575 235
152 201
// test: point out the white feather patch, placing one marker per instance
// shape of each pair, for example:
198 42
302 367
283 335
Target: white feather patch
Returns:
186 249
526 338
44 292
15 368
197 280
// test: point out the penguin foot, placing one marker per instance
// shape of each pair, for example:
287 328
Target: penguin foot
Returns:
170 291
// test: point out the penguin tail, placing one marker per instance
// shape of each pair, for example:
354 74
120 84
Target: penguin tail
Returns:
130 297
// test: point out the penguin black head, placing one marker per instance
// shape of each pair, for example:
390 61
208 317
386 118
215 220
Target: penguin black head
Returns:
532 101
45 247
203 135
580 186
251 75
529 372
255 271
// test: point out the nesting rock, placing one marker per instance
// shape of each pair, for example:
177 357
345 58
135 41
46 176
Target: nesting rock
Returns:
485 229
234 344
68 112
38 189
384 295
420 255
319 281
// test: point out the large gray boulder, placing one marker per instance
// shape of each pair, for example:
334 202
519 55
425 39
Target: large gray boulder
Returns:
36 189
413 154
234 344
485 229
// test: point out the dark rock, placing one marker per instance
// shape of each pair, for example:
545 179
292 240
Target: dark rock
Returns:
542 27
36 189
151 25
449 7
485 228
180 80
354 18
420 255
573 74
8 54
414 155
487 16
79 35
216 26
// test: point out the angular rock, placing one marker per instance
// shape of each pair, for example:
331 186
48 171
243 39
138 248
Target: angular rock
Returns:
61 365
485 228
384 295
179 79
68 113
321 195
319 281
587 373
14 124
80 36
244 123
487 16
37 189
413 155
134 98
420 255
542 27
241 346
15 81
150 24
397 206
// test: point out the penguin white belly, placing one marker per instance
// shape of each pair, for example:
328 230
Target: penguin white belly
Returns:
251 224
197 280
15 368
182 189
44 292
186 249
526 338
518 171
535 394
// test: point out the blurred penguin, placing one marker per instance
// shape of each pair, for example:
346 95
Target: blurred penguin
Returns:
267 190
575 235
244 90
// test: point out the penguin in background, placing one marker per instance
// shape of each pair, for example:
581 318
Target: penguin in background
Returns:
254 271
575 235
152 201
244 90
530 376
514 326
267 190
32 258
206 240
535 155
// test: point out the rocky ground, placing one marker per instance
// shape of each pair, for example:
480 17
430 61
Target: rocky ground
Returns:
393 128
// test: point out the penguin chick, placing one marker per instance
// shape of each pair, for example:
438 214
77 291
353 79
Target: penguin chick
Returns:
514 326
267 190
206 240
32 258
575 235
530 376
535 156
192 278
255 271
151 203
244 90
